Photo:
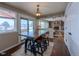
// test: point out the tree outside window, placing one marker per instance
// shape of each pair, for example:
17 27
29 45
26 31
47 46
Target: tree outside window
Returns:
6 25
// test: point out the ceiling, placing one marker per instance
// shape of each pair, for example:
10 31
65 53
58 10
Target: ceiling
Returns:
46 8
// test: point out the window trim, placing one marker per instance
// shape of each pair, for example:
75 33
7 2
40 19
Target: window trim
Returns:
9 30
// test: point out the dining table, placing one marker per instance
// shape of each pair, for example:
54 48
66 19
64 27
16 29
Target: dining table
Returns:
37 38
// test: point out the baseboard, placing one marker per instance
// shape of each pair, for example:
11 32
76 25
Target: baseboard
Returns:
11 49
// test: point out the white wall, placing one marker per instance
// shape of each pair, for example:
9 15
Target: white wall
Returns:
72 26
8 39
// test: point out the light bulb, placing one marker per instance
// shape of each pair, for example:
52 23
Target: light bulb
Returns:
38 14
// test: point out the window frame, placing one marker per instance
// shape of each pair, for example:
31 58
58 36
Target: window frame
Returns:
22 18
40 29
14 19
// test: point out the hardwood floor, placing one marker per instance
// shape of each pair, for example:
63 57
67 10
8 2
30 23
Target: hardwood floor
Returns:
60 49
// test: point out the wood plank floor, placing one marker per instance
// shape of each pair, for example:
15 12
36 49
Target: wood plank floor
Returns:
60 49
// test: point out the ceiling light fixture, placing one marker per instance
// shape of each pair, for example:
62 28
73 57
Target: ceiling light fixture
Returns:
38 13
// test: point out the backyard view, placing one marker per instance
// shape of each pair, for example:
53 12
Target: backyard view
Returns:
27 27
6 24
7 20
43 27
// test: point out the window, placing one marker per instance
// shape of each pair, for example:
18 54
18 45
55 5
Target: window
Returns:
23 24
26 27
6 24
43 24
7 21
31 30
43 27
